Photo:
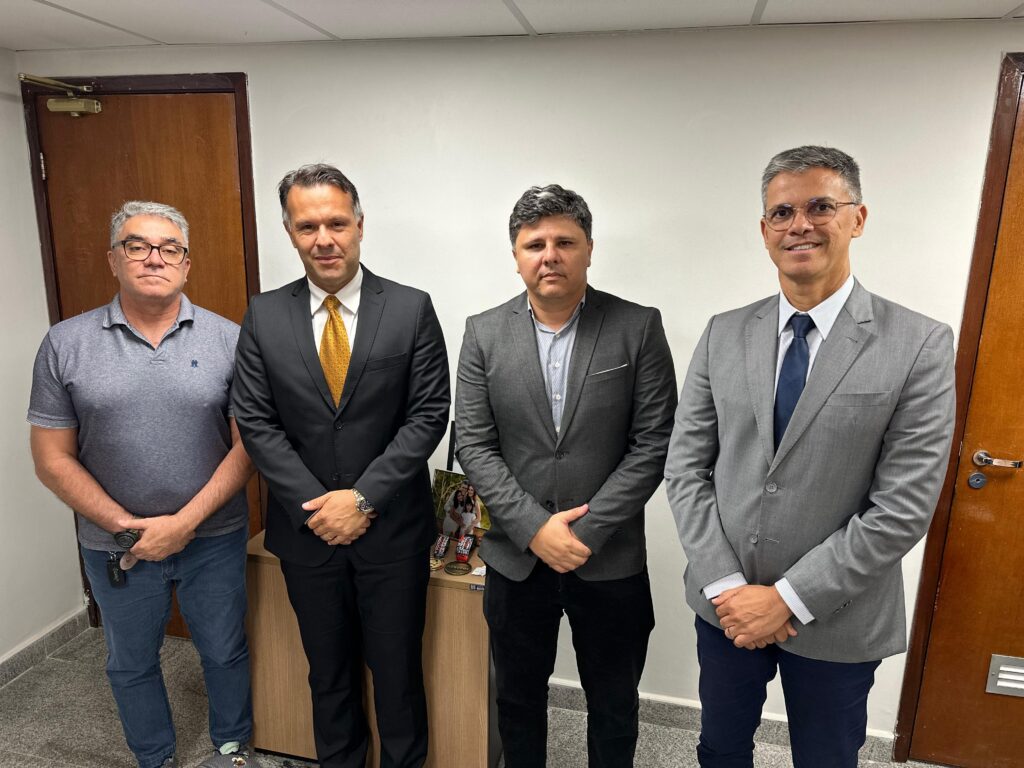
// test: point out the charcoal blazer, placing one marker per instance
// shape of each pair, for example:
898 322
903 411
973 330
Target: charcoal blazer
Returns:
610 452
852 486
393 413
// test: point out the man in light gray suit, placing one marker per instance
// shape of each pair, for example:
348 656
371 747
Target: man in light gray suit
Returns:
809 448
563 411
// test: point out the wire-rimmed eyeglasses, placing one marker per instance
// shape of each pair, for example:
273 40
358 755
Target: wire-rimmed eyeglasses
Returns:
817 210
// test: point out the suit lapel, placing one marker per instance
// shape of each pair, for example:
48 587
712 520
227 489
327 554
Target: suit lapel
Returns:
371 309
588 328
302 326
527 360
834 358
761 340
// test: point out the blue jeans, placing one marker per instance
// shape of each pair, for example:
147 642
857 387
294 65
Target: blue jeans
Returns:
209 578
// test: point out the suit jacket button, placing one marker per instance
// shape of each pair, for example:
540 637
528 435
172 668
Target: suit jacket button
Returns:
771 487
560 455
339 425
549 504
753 538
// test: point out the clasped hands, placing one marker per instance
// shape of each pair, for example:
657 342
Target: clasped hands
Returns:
337 519
160 537
557 545
754 616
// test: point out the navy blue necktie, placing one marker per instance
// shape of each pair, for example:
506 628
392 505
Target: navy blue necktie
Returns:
793 375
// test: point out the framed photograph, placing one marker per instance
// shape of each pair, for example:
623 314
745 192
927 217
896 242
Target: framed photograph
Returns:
457 507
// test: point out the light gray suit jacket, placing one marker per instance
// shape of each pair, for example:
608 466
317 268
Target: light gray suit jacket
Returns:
852 486
610 453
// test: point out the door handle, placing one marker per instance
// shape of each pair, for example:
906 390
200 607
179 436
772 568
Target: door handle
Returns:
982 459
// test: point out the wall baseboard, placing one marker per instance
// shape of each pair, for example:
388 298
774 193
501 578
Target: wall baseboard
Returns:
674 712
34 651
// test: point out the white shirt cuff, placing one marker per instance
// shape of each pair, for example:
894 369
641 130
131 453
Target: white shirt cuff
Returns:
715 588
796 605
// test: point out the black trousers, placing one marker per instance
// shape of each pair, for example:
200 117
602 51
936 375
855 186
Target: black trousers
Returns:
349 610
826 701
611 622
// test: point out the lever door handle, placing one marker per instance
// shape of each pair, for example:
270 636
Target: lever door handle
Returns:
982 459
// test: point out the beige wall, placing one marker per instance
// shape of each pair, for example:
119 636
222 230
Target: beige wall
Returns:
39 581
665 135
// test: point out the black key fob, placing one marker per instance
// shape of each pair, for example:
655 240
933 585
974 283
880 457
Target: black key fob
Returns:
115 574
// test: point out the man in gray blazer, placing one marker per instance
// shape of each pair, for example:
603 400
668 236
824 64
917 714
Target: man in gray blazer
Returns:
809 448
563 411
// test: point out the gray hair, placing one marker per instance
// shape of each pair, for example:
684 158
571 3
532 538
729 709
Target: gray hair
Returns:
807 157
315 175
146 208
552 200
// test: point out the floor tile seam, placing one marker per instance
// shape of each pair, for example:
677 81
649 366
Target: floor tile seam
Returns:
64 645
764 745
656 725
20 675
40 644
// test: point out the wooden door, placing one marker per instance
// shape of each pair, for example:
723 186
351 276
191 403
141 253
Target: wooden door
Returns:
979 597
187 148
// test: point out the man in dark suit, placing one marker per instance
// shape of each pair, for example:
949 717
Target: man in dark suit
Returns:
809 449
342 438
563 412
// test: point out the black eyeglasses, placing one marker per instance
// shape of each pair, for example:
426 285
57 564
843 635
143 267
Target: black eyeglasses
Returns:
139 250
817 210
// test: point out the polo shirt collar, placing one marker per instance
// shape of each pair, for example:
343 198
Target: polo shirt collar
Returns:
115 313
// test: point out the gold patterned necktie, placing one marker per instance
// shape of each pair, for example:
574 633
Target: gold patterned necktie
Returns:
334 349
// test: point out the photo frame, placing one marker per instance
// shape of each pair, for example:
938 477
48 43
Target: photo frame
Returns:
458 508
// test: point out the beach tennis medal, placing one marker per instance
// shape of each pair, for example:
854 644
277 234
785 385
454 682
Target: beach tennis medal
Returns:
436 563
456 568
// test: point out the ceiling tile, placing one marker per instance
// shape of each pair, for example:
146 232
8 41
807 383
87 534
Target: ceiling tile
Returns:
815 11
27 25
359 19
552 16
199 21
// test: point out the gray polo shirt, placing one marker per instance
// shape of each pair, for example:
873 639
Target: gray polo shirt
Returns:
152 422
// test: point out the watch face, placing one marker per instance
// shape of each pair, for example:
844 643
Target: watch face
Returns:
362 504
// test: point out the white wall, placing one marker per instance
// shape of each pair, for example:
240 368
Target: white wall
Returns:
665 135
39 579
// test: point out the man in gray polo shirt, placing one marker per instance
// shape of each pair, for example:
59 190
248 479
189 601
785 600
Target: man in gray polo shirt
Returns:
131 427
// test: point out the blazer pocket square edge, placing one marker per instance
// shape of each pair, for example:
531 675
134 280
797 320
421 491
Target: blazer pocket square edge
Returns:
608 370
381 363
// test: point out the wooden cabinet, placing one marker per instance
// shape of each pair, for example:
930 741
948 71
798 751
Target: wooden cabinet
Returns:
456 669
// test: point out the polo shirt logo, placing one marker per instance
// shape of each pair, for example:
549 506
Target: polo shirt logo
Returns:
195 363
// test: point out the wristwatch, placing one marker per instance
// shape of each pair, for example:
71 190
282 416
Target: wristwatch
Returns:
362 504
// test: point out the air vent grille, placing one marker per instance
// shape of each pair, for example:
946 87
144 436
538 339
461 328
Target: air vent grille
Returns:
1006 676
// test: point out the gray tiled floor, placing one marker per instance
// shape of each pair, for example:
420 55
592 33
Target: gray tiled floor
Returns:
60 714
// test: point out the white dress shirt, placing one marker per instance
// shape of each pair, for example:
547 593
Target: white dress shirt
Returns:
349 310
824 316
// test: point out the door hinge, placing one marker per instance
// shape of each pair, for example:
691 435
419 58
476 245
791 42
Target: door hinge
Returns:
42 165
